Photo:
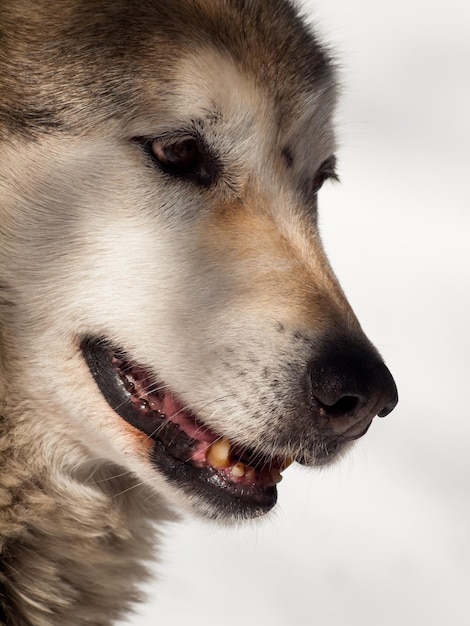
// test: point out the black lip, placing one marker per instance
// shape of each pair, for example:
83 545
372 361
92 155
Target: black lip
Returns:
225 500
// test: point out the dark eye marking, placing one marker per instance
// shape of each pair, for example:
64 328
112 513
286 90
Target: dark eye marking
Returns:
184 158
325 171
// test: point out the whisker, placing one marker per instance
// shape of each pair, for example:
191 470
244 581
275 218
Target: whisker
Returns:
120 493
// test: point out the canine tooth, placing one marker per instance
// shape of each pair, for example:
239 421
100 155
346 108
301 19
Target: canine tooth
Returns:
218 454
276 475
238 470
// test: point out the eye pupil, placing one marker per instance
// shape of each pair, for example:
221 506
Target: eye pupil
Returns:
184 158
181 155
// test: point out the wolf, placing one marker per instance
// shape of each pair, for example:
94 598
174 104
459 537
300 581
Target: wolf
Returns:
172 335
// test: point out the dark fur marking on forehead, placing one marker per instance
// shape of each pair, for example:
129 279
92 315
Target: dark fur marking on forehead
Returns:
287 156
73 64
272 42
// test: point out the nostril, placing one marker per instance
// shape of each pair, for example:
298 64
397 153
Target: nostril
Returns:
388 408
349 383
344 406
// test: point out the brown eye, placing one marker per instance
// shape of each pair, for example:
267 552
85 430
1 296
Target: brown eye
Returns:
185 159
324 172
181 155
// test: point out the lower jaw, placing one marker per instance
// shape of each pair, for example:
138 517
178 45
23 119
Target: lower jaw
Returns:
208 493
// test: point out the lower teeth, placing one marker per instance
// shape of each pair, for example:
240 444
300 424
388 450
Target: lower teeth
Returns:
238 470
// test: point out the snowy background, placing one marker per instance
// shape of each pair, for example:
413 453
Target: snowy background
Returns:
384 538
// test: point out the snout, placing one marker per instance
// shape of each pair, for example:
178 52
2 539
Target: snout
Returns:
348 385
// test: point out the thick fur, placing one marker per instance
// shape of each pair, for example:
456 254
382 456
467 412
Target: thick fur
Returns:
225 291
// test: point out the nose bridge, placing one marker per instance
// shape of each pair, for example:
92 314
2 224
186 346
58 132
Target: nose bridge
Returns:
321 295
271 249
329 296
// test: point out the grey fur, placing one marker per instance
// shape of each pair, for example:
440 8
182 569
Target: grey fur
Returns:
94 240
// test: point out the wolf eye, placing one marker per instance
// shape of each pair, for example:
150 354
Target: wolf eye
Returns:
184 158
181 155
324 172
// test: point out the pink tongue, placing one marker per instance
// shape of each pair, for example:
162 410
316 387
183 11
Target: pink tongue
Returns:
204 437
177 414
139 383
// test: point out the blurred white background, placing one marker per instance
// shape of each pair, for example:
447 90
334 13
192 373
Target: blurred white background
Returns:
383 538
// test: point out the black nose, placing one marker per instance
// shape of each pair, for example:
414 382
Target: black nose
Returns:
349 385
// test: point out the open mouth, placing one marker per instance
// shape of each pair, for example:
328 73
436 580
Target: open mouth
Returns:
233 479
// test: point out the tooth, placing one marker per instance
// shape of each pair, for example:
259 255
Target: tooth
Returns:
238 470
276 475
218 454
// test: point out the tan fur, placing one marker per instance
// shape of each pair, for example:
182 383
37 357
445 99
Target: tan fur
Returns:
224 290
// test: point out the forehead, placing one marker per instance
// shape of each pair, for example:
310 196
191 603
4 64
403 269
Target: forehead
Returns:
93 59
220 41
209 93
247 63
